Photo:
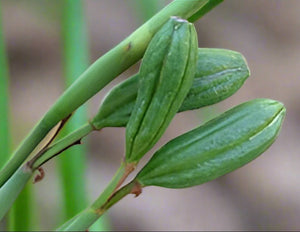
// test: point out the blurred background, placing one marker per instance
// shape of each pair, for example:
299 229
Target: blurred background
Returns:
263 195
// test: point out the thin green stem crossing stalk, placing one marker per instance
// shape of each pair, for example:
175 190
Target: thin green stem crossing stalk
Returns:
87 217
62 144
105 69
12 188
84 220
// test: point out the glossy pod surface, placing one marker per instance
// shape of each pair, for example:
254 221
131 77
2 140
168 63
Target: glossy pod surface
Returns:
219 74
166 75
220 146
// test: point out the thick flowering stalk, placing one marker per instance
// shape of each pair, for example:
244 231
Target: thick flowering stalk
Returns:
220 146
166 75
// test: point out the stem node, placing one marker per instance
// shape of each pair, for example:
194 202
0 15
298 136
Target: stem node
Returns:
129 168
136 189
40 176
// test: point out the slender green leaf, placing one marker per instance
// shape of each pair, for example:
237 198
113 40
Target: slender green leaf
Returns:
208 7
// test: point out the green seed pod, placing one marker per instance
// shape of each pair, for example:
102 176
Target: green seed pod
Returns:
220 146
219 74
166 75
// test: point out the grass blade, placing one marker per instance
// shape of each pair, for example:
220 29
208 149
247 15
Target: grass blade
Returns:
20 217
4 102
73 163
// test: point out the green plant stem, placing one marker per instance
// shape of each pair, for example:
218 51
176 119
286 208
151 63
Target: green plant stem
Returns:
72 163
12 188
208 7
127 189
100 73
87 217
22 214
61 145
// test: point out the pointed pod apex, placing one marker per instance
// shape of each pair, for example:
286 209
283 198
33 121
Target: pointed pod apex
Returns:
178 19
216 148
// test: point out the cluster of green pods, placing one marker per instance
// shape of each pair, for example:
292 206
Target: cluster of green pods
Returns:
176 76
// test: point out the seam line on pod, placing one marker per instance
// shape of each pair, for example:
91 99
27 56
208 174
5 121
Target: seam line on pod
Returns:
255 133
156 85
190 143
178 88
195 140
244 138
272 121
215 75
